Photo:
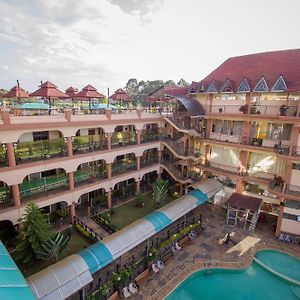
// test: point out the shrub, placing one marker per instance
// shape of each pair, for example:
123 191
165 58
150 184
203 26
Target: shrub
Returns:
85 233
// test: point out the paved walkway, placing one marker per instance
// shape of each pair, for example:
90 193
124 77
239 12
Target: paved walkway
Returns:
89 222
208 247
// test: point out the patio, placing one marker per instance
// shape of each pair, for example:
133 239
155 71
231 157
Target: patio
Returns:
206 250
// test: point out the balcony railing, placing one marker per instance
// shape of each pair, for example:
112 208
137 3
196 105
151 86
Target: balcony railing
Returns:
293 189
123 194
40 150
223 168
171 165
120 139
295 151
84 144
5 198
122 167
43 186
147 136
145 162
88 175
255 109
3 159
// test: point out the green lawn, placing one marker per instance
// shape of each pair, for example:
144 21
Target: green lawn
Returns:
76 243
129 212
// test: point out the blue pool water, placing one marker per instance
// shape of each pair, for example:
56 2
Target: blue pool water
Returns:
253 283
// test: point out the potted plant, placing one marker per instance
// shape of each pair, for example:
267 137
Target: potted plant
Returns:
283 110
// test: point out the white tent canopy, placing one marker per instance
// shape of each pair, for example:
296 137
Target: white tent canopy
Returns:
209 186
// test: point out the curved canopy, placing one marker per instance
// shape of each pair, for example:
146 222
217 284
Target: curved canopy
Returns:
61 280
12 282
193 107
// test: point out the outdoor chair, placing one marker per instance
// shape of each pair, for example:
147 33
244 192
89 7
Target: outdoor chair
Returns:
155 268
133 288
126 292
160 264
177 246
192 234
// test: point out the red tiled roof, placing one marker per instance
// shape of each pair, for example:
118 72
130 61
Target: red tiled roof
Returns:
89 92
176 91
71 92
120 94
48 89
268 64
16 92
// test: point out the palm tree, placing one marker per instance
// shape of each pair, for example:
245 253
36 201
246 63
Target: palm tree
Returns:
52 249
160 190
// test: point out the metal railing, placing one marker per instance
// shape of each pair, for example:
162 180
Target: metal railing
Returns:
89 147
5 199
43 186
148 161
88 176
149 136
39 150
293 189
177 173
295 151
121 167
223 168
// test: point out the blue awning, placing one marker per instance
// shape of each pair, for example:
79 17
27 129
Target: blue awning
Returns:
159 220
12 283
201 197
96 256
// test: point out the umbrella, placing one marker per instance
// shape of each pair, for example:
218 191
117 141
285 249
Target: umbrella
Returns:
120 95
89 92
16 92
71 92
48 90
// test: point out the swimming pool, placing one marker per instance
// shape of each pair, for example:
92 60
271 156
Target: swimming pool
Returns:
253 283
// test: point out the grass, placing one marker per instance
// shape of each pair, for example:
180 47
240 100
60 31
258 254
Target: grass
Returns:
76 243
127 213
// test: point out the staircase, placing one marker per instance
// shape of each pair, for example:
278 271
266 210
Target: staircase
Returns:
254 221
180 128
175 173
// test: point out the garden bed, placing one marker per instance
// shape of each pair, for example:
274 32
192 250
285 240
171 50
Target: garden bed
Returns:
76 243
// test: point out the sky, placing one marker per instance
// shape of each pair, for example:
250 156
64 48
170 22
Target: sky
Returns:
107 42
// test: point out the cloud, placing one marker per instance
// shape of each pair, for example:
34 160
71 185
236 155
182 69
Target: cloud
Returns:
106 42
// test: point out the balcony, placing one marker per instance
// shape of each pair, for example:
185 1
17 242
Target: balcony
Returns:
39 150
89 175
5 198
269 110
3 158
43 186
235 170
178 147
124 166
293 190
145 162
85 144
123 138
149 136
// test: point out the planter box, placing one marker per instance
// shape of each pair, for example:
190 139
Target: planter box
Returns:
184 240
114 296
140 278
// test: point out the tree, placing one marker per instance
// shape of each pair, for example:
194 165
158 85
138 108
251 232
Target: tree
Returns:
160 190
35 231
52 249
182 83
170 83
131 85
